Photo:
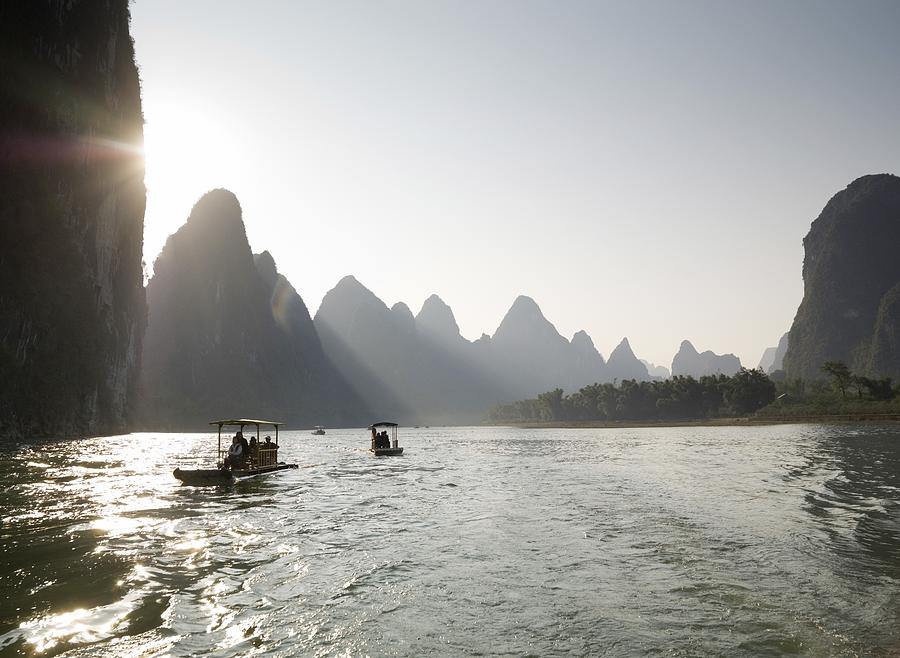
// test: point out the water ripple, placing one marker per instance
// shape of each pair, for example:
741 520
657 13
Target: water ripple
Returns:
478 541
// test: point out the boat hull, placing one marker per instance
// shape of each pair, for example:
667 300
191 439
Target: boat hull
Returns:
386 452
205 477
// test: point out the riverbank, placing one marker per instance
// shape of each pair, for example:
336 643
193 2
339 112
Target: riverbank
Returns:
710 422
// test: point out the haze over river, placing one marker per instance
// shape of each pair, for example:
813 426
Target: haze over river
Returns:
747 541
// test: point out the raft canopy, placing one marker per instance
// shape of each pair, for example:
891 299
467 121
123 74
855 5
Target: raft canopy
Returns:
245 421
383 424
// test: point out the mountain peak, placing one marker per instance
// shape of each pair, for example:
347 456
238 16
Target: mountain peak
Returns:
623 346
687 346
265 265
689 362
436 319
582 338
400 309
219 207
525 303
623 364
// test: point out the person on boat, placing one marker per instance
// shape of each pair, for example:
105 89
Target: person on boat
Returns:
236 453
269 454
254 450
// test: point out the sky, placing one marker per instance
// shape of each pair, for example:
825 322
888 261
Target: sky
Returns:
641 169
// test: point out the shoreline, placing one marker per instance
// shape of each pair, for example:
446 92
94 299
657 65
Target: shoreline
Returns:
745 421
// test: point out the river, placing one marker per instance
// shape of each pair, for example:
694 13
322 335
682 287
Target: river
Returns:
709 541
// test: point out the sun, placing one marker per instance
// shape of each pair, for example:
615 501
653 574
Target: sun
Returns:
187 151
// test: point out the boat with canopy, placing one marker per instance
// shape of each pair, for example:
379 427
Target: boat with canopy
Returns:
253 458
384 442
318 430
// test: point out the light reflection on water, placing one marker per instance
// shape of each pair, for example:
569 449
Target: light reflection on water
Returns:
679 541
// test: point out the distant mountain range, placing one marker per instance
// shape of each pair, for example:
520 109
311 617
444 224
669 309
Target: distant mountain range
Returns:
421 368
689 362
228 333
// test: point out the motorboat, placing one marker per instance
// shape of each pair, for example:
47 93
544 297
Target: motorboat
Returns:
384 443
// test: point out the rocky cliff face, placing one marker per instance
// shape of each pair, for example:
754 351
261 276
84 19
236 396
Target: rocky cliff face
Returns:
849 270
72 307
773 357
689 362
229 336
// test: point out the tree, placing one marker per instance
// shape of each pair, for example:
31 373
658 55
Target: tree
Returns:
840 375
749 390
551 404
878 389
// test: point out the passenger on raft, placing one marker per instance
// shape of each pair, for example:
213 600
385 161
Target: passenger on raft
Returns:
236 453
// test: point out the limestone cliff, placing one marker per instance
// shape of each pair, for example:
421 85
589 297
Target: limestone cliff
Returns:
623 364
72 309
229 336
849 270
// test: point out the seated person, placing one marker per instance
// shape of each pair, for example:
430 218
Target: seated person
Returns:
270 456
236 454
254 450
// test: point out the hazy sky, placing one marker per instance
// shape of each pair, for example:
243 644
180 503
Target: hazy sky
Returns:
646 169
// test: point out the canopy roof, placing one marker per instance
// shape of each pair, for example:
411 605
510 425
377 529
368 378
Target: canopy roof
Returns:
245 421
383 424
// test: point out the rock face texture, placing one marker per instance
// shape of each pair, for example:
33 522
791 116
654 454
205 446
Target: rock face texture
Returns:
229 336
850 269
72 308
689 362
623 364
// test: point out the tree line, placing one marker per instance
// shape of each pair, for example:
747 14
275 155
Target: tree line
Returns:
685 398
678 398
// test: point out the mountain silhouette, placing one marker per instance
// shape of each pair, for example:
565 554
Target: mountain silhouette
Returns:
689 362
850 269
229 336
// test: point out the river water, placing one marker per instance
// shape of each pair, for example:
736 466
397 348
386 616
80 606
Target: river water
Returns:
750 541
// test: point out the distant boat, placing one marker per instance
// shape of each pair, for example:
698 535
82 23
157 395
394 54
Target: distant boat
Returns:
319 430
384 445
262 460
